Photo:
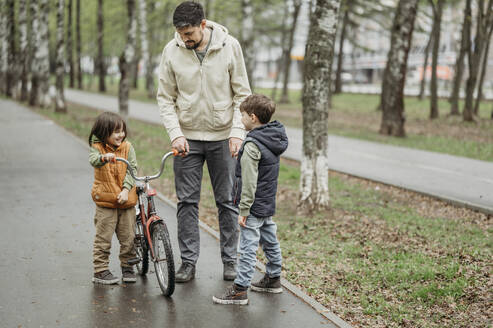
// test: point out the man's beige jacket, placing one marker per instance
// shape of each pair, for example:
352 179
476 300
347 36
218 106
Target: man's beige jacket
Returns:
201 101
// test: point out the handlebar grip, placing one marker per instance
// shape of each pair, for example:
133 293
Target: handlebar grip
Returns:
177 152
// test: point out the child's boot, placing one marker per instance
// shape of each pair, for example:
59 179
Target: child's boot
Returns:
267 285
105 277
128 274
233 295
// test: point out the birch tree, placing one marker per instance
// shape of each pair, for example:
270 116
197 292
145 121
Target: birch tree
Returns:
3 45
11 54
60 105
144 39
100 59
392 97
70 50
437 7
247 38
41 63
23 50
314 180
78 43
465 43
35 41
126 59
287 56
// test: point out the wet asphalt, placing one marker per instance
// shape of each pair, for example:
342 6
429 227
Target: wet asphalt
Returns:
46 261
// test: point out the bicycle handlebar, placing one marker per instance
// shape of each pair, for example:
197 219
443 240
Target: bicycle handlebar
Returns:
174 152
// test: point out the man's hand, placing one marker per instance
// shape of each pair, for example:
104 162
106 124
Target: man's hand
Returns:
181 144
123 196
242 220
234 146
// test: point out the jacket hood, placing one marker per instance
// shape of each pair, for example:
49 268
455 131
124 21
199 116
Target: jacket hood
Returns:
272 135
219 35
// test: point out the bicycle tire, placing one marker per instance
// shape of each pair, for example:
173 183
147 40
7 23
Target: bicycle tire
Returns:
164 264
141 248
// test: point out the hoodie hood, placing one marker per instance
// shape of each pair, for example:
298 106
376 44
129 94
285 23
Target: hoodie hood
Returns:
219 35
272 135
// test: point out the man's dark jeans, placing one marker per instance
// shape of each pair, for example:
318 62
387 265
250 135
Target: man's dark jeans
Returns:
188 176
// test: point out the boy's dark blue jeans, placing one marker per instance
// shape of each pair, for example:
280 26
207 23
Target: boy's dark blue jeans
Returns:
263 231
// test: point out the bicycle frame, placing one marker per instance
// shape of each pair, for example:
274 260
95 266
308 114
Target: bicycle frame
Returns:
146 195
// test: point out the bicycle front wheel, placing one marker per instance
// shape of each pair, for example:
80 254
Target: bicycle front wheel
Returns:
141 248
163 261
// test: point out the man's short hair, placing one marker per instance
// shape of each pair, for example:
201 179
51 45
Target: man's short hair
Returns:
262 106
188 13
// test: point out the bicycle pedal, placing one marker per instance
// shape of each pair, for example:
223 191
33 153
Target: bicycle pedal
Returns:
133 261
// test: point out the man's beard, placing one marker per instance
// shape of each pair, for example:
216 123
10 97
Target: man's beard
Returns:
195 44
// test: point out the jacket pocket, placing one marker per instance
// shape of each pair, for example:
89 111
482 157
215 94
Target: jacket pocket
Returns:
185 116
222 114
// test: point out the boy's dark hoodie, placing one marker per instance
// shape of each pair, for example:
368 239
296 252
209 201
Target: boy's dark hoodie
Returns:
272 141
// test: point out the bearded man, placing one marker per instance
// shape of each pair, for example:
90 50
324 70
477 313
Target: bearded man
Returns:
202 82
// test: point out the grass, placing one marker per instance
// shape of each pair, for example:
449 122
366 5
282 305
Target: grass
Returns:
355 116
380 257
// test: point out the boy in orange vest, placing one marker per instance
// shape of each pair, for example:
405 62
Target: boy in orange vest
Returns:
114 193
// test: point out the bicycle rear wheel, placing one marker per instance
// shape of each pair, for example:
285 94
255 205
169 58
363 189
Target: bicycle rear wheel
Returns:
141 248
163 262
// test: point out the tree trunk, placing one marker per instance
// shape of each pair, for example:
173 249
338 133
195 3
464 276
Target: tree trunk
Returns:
45 54
474 58
484 66
314 190
78 44
70 51
40 70
135 69
126 59
437 21
35 40
459 63
12 53
284 50
247 38
3 46
425 65
60 106
340 58
24 49
100 62
287 56
392 98
144 39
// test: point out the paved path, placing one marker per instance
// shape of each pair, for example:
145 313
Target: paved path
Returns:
46 241
459 180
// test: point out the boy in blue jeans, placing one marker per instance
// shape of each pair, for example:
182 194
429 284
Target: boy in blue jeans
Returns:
257 171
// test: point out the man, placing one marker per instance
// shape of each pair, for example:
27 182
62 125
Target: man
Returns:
202 82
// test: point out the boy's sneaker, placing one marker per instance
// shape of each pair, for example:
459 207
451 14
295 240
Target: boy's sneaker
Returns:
105 277
233 295
128 274
267 285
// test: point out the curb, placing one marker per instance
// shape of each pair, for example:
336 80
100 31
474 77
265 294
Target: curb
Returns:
326 313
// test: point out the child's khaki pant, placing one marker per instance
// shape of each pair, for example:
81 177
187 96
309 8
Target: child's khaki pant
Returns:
107 222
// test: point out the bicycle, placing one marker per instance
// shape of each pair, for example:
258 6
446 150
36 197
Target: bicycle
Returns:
151 232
